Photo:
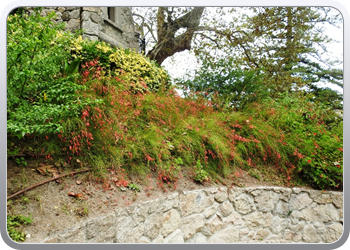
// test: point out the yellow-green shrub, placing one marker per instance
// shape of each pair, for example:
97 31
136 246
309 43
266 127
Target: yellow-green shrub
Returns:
136 70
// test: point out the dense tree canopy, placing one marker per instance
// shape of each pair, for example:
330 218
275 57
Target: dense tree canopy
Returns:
287 43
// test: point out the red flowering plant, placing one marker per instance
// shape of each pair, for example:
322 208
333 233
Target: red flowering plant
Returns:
315 135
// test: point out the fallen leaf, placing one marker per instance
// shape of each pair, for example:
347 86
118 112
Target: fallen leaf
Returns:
78 182
58 164
75 195
55 175
45 169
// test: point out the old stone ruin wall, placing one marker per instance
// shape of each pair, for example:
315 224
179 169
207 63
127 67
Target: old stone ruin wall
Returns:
218 215
113 25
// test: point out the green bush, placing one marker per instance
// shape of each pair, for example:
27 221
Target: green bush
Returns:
315 133
138 72
225 85
200 174
39 97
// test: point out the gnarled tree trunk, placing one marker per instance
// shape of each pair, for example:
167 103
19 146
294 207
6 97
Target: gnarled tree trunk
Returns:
168 44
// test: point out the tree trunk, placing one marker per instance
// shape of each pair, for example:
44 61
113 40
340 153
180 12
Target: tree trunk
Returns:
168 44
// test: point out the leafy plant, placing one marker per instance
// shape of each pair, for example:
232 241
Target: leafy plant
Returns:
13 223
133 186
314 135
136 71
178 161
21 162
200 174
39 97
119 111
225 84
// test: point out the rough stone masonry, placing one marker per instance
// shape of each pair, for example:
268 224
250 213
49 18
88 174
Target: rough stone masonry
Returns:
219 215
113 25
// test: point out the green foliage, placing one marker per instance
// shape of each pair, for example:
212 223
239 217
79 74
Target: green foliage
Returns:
200 175
38 96
327 97
116 109
71 68
21 162
225 84
178 161
286 43
315 134
133 186
13 223
138 72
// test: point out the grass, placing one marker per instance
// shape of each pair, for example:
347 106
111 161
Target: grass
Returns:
148 132
144 132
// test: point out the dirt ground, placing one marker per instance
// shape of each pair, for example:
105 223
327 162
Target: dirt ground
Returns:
60 204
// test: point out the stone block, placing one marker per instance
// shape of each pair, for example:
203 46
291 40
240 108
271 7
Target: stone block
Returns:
234 192
91 28
158 239
92 9
300 201
209 211
65 16
175 237
221 195
254 220
310 235
96 18
73 24
135 234
198 238
193 202
212 225
337 199
234 218
139 214
333 233
192 224
282 209
320 197
171 222
227 235
124 227
261 234
323 213
226 208
144 239
278 225
75 14
244 204
153 225
266 201
72 235
168 204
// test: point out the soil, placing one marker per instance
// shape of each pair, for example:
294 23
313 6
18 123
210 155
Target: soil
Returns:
61 204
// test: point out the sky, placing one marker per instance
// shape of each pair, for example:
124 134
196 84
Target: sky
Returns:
183 61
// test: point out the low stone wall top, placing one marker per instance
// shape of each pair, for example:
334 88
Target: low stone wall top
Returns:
238 215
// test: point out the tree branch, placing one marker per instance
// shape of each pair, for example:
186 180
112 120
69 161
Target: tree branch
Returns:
41 183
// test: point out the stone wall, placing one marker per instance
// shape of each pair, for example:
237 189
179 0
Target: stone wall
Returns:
239 215
99 25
